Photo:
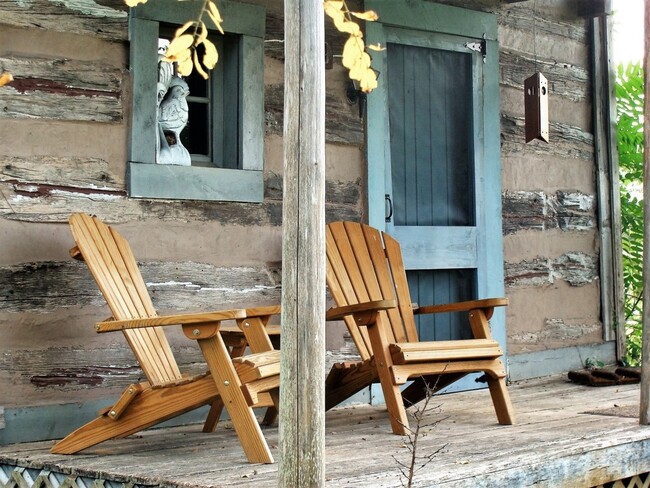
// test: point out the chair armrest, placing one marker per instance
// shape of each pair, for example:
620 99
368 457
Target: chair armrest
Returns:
359 309
262 311
254 325
486 304
201 318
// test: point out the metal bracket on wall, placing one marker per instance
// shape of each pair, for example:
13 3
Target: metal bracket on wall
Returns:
478 47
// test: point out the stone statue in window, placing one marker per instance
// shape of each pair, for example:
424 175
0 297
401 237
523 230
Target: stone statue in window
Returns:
172 116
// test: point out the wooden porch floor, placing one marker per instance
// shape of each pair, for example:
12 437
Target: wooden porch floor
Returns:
563 438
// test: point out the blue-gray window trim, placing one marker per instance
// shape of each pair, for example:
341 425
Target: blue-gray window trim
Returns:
146 179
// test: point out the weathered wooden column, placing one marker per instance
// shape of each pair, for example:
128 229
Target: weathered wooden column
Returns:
644 414
302 401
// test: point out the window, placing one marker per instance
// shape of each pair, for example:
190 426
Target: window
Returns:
225 131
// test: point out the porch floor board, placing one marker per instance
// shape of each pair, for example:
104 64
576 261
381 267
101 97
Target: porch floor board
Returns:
555 443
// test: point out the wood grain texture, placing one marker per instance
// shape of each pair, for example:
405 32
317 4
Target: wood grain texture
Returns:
302 399
52 203
229 386
556 443
52 369
106 19
366 265
536 210
342 123
62 172
569 141
576 268
48 286
148 408
61 89
567 81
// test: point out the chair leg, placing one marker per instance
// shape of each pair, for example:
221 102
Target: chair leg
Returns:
399 421
417 391
501 400
151 407
211 421
241 414
272 412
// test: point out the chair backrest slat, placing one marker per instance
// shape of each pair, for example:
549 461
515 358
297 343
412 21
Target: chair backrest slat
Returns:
404 304
112 264
341 288
365 264
384 271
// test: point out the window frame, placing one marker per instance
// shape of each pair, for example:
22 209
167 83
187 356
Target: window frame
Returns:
145 178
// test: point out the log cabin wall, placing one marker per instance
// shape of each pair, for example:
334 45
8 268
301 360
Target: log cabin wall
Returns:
64 130
550 204
550 222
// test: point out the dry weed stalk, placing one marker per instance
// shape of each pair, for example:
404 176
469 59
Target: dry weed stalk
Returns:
416 462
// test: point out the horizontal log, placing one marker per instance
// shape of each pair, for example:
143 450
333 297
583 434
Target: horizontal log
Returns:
59 107
60 75
576 268
336 192
567 141
61 89
79 368
199 286
107 20
535 210
543 21
274 45
342 122
36 202
46 286
575 211
64 172
564 80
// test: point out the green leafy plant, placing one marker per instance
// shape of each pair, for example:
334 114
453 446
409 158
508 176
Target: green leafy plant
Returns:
629 104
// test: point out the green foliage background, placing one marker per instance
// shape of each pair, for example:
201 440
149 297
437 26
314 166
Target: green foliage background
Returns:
629 105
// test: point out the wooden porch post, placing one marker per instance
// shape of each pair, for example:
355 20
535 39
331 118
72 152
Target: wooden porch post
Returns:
302 399
644 414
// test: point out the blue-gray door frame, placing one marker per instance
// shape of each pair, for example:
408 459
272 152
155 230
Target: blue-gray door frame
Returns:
414 23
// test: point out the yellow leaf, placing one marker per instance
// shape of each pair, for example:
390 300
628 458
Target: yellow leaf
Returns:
368 81
370 15
361 65
178 45
198 66
215 15
352 50
185 66
332 7
376 47
181 30
211 55
6 78
202 33
215 11
348 26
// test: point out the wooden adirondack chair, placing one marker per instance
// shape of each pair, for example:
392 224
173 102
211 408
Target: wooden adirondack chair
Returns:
366 277
240 383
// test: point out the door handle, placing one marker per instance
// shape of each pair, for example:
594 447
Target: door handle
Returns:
389 212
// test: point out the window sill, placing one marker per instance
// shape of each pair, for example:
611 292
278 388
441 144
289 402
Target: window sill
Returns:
195 183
